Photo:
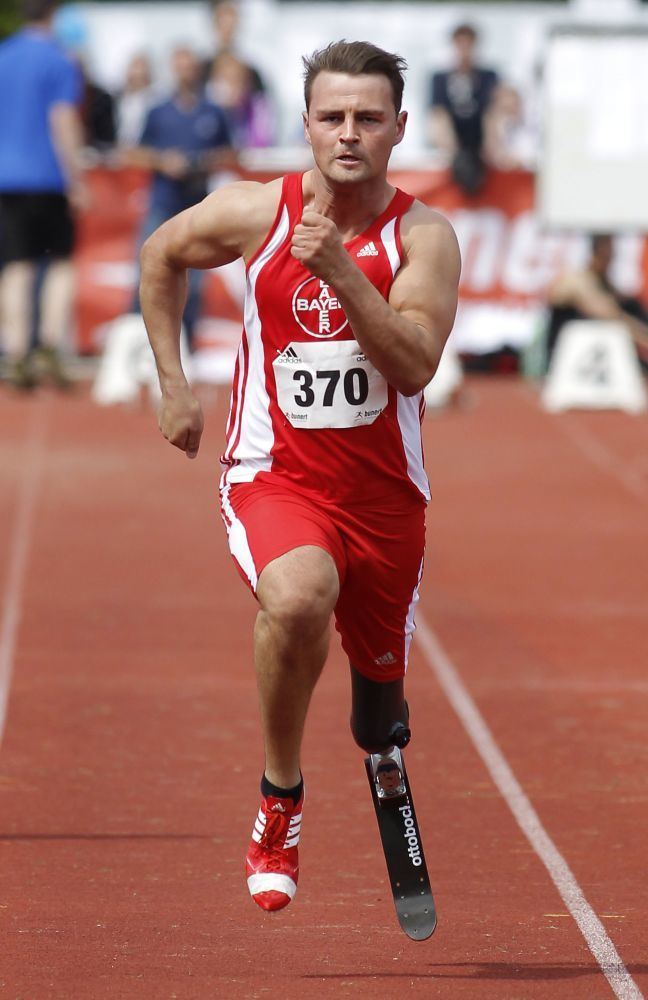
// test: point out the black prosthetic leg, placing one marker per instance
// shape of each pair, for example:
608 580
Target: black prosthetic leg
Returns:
380 725
379 714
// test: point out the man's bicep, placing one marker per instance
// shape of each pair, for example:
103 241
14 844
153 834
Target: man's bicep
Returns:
425 290
217 231
189 240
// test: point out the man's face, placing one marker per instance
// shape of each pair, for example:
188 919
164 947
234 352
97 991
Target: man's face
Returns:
602 254
352 126
464 45
186 69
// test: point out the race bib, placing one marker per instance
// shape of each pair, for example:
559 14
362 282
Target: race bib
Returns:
328 384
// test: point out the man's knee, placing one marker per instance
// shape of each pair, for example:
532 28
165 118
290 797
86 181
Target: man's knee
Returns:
298 592
379 713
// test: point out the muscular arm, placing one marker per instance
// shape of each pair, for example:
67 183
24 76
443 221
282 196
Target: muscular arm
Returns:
229 224
403 337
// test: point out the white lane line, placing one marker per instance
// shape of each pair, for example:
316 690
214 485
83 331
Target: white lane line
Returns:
594 451
591 928
604 459
19 551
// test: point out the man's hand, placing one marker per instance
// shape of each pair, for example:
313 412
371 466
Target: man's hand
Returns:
173 163
181 420
317 243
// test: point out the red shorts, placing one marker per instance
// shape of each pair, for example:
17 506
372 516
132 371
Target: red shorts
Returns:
378 552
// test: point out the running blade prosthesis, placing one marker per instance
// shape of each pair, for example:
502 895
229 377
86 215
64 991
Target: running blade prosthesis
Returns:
402 845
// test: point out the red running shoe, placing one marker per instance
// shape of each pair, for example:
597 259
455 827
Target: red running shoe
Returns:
272 862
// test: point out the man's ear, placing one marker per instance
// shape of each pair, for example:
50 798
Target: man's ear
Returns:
306 130
401 122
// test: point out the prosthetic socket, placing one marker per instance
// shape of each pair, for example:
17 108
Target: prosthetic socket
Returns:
379 714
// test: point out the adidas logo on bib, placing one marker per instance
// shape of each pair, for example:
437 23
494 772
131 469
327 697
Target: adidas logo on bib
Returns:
368 250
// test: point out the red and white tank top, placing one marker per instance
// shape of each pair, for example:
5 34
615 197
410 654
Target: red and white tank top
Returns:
308 408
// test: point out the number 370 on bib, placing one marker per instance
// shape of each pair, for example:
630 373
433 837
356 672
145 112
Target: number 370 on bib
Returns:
330 384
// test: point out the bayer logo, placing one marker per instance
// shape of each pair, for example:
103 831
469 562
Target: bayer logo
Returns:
317 310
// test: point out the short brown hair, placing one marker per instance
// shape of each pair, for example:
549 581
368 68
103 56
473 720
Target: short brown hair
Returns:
355 58
467 30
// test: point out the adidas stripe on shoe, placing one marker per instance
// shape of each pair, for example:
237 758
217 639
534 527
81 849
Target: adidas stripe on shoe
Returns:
272 862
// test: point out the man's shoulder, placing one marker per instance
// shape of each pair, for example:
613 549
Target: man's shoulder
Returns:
241 214
263 197
28 52
208 105
161 106
487 75
424 230
421 215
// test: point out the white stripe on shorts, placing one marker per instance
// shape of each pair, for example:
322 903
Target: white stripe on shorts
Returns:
238 542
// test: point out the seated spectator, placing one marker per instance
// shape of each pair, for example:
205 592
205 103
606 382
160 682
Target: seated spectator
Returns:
510 141
459 98
135 100
589 294
184 140
248 110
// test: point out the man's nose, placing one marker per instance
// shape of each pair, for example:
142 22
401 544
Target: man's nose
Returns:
349 131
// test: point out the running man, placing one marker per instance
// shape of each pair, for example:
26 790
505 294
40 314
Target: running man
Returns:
351 295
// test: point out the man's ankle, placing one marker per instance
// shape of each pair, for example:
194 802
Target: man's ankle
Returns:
280 792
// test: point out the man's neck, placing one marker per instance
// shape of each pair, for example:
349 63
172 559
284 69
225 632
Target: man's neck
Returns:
186 98
352 207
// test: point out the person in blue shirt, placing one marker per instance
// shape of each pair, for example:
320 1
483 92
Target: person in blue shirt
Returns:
459 99
183 141
40 184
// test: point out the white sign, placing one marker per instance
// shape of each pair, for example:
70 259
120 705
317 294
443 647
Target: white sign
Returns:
594 367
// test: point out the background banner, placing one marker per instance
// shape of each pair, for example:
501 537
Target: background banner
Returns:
508 261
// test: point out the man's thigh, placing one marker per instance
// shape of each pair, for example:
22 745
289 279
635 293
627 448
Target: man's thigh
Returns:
375 610
265 522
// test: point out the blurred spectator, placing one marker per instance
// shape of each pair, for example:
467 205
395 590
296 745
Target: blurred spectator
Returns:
459 98
589 294
184 140
225 15
40 181
135 100
248 110
510 140
97 114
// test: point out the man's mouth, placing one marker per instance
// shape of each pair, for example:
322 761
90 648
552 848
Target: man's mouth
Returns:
348 158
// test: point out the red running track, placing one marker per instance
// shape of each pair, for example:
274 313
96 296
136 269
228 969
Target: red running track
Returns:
131 755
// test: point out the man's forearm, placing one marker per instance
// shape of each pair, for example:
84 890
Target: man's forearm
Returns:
67 136
403 352
163 292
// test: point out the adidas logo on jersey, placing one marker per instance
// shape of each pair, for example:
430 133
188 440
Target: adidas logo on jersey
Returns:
289 355
385 658
368 250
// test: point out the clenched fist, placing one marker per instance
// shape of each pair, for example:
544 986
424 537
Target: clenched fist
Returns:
180 419
317 243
